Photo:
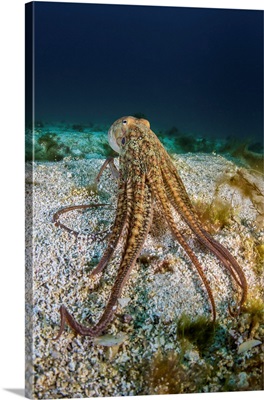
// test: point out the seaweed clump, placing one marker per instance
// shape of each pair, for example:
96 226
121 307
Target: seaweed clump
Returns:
247 186
253 311
200 332
259 259
168 375
186 143
251 158
78 127
216 215
51 149
248 153
220 213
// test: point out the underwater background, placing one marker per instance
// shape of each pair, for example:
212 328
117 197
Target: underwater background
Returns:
196 74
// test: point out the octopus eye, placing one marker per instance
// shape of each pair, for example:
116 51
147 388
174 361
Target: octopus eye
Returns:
123 141
124 121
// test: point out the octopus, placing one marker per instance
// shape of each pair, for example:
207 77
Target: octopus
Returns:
148 178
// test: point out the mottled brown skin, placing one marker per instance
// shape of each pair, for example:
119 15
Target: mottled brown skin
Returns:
147 175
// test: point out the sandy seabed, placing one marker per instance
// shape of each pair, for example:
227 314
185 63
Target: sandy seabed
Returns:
152 301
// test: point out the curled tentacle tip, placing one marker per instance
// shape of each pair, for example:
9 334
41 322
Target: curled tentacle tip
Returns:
59 333
62 325
57 337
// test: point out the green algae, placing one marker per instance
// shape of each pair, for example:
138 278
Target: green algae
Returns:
216 215
200 331
168 375
50 149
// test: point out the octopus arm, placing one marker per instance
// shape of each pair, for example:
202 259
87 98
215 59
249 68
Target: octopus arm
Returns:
160 194
117 230
114 171
178 200
233 266
139 209
139 226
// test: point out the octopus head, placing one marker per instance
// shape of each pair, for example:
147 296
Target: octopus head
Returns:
117 132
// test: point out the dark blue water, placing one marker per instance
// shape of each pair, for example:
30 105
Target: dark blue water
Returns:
199 70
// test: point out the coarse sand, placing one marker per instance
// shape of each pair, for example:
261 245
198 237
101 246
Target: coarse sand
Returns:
155 296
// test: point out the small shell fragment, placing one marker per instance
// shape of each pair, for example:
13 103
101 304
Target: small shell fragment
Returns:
111 340
123 302
249 344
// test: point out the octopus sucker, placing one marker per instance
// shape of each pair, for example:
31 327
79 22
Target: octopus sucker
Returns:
147 179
